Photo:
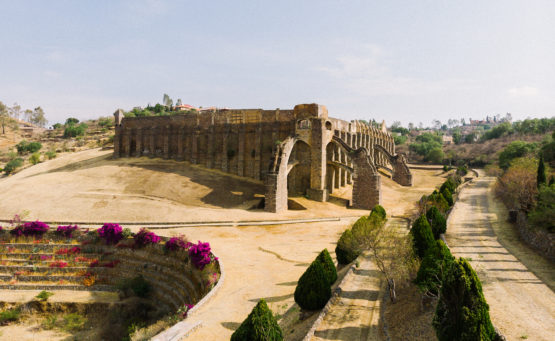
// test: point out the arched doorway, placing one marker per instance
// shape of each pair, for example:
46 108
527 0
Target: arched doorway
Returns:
298 177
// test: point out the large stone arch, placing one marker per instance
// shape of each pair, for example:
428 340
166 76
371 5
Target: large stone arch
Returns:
366 180
400 172
298 169
276 179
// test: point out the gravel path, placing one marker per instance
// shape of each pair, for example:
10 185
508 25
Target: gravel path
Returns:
355 314
522 305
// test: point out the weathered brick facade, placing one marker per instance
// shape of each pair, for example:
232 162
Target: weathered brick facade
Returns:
300 151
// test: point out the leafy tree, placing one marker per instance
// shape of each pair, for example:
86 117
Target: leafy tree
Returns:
435 155
517 187
329 267
469 138
462 313
437 221
57 126
71 121
38 117
3 116
399 139
179 102
24 147
543 214
260 325
542 177
498 131
313 290
422 236
168 102
514 150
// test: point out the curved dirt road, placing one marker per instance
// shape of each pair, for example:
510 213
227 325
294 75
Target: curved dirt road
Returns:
521 305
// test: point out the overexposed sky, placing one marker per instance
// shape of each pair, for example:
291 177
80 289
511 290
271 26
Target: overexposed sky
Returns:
411 61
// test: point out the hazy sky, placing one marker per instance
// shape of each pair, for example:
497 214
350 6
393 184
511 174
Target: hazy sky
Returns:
411 61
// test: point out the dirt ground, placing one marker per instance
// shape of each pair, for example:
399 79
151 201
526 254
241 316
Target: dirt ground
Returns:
90 186
259 261
522 305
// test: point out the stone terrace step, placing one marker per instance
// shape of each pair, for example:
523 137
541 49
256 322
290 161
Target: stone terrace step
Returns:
13 268
40 278
52 287
4 256
61 296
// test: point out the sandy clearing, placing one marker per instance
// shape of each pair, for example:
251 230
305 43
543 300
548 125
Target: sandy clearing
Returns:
521 305
90 186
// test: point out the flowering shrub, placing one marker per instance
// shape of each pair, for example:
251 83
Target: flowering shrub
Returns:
73 251
82 259
200 254
89 280
144 237
95 263
182 312
66 231
58 264
176 243
111 233
35 228
45 257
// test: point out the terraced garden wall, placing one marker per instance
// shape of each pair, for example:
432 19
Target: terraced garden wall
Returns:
177 278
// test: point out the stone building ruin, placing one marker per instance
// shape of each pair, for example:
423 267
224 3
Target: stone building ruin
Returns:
295 152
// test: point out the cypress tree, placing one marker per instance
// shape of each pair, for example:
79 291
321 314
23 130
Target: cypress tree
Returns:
448 196
542 177
260 325
462 313
329 267
422 236
379 211
435 264
313 291
437 221
346 250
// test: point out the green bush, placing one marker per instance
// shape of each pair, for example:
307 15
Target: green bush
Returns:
515 150
437 221
57 126
260 325
434 265
44 295
329 267
25 147
435 155
9 315
73 322
34 158
50 154
75 130
313 291
12 165
462 312
543 214
379 211
422 236
346 249
462 170
448 196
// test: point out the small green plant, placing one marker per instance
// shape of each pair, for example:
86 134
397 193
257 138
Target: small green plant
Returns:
73 322
9 315
346 249
49 322
50 154
34 158
44 295
126 233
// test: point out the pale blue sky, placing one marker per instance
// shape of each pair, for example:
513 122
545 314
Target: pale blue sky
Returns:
411 61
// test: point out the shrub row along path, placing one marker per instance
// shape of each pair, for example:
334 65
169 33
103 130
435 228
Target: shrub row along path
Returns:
518 284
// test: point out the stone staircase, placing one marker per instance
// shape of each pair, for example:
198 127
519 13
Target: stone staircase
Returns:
53 266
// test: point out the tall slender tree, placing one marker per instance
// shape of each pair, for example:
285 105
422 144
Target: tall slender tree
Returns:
3 116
